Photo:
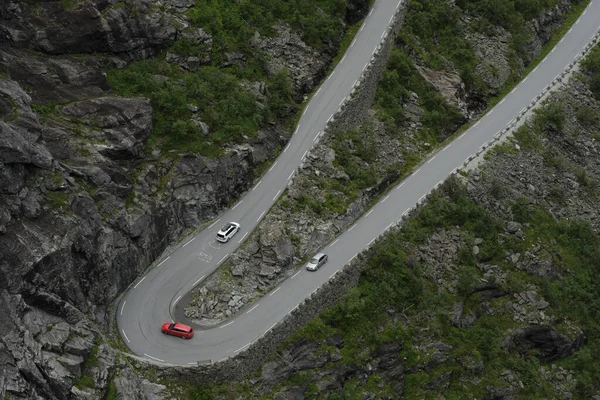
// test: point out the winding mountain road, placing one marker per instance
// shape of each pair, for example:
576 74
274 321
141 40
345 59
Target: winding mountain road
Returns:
162 293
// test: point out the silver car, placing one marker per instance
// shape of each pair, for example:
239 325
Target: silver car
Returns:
316 262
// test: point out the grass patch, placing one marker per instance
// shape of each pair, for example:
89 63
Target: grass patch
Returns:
86 380
58 200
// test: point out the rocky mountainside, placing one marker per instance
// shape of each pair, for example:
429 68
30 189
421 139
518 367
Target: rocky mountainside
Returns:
488 292
86 202
347 170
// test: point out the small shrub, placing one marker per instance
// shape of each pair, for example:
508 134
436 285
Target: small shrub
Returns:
587 116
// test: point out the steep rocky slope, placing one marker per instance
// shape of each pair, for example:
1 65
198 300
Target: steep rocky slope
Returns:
349 169
86 203
488 292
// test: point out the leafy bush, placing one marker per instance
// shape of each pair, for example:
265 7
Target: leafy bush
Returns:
400 77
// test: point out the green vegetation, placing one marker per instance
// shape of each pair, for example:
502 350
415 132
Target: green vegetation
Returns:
591 65
111 393
401 77
57 200
86 380
230 111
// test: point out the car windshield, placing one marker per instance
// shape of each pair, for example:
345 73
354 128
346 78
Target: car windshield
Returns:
315 260
229 225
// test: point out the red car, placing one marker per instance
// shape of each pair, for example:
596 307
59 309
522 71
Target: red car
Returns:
177 329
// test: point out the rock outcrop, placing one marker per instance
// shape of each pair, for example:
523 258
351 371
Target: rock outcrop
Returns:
85 204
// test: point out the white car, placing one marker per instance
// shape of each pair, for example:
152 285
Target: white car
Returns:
316 262
227 232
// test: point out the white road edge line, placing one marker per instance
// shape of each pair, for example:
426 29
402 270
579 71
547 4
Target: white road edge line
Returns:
141 280
369 213
417 171
227 324
332 275
259 182
391 18
353 226
123 306
370 12
261 215
250 310
352 44
242 348
371 242
213 224
318 91
402 184
176 300
243 237
221 260
404 213
202 277
336 240
329 119
277 195
304 155
447 147
303 112
290 177
126 338
274 291
316 137
273 166
296 274
234 207
343 58
421 198
272 326
160 264
189 241
502 101
476 123
353 257
154 358
286 147
354 84
385 198
431 159
292 310
389 226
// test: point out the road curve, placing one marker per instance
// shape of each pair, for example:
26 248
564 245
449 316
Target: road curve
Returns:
161 294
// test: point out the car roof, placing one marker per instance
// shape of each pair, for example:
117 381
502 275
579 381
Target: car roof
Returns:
182 327
228 225
319 255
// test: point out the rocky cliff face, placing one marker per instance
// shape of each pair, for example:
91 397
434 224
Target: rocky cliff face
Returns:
300 225
84 205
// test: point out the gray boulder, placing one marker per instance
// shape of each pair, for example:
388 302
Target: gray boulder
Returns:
55 338
120 126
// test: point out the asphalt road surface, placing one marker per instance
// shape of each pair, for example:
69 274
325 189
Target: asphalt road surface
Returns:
161 294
